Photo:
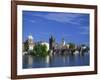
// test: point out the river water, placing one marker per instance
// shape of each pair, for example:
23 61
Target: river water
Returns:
30 61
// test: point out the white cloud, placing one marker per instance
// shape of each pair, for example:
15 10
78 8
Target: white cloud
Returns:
62 17
84 33
33 21
84 30
72 18
30 20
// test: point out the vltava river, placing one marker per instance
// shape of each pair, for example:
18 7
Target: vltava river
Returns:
55 61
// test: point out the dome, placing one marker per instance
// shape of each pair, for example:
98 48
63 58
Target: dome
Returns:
30 37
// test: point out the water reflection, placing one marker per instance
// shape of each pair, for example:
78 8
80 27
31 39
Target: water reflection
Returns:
55 61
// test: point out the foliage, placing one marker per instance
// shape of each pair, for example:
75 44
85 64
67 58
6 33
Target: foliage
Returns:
71 45
26 47
40 50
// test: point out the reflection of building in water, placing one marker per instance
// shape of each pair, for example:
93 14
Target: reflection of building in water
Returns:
30 61
30 42
47 60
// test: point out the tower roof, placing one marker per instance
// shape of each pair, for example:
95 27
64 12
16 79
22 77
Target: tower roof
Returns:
30 36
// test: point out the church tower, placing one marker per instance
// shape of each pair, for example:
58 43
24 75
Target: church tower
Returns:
63 42
30 42
51 42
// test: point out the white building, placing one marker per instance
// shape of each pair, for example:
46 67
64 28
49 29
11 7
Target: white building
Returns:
63 42
30 42
67 45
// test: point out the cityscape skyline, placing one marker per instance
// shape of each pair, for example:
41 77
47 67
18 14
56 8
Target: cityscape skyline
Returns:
73 27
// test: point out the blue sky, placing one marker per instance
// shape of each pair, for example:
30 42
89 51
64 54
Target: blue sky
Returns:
73 27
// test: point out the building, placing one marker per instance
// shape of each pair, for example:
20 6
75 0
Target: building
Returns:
63 42
67 45
51 43
30 42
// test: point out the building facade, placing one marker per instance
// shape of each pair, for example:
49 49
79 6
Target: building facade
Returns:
30 42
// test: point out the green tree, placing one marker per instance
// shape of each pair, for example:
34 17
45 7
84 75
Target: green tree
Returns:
71 45
26 47
40 50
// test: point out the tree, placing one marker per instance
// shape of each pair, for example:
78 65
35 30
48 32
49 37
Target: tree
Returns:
40 50
71 45
86 49
26 47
